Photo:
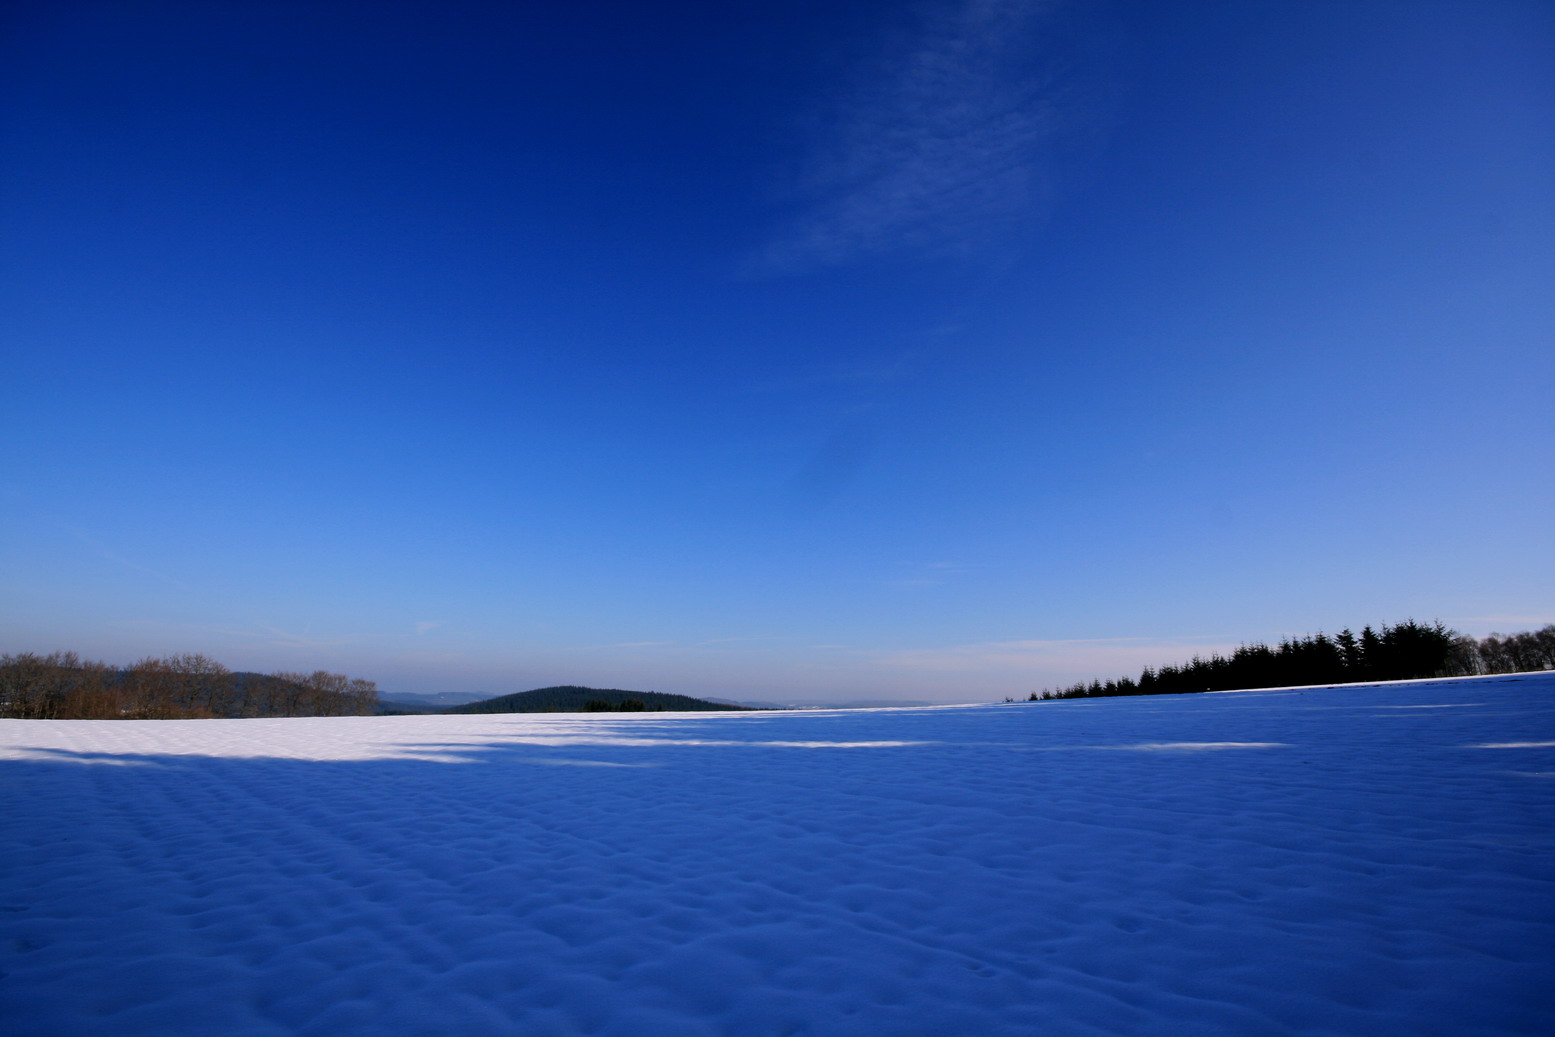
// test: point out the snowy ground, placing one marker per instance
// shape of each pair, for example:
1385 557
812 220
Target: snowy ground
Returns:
1345 861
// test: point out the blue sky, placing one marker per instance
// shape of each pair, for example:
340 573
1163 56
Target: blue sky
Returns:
820 351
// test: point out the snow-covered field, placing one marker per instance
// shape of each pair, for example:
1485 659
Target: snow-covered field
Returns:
1343 861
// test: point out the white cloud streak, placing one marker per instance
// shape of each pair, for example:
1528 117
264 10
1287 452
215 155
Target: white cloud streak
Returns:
118 559
940 152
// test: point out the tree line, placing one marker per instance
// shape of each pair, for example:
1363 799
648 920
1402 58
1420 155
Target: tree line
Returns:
63 686
1405 651
625 706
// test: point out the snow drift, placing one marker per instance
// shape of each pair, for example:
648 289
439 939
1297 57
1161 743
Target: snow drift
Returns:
1368 860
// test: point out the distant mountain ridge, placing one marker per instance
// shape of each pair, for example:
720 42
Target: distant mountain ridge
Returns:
446 698
435 702
572 698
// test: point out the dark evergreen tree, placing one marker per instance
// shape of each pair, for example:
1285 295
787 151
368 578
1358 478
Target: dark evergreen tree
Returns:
1349 651
1371 654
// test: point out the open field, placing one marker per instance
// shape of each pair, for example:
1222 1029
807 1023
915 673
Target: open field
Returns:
1361 860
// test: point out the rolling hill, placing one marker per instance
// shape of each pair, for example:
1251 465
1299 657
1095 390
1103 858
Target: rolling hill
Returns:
571 698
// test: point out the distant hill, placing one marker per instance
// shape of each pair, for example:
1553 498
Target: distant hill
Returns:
570 698
400 705
442 699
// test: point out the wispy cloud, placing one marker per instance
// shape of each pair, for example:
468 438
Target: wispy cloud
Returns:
103 551
835 464
932 574
684 645
940 151
865 372
279 638
264 635
426 625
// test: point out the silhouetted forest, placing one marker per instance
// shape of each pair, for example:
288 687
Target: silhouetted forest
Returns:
63 686
1406 651
570 698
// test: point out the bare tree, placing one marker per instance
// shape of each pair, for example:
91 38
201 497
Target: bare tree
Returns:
27 686
1464 660
203 685
149 690
364 696
289 693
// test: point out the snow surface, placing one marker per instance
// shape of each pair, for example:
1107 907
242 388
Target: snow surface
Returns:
1342 861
